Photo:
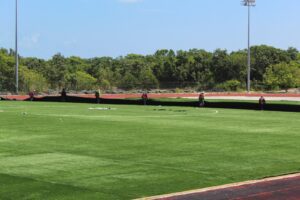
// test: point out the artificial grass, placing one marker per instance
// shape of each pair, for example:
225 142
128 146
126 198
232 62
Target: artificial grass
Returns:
68 151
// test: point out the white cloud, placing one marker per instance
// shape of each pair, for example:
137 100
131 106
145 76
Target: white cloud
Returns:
70 43
130 1
30 41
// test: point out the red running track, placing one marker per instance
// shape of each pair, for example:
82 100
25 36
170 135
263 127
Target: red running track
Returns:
286 188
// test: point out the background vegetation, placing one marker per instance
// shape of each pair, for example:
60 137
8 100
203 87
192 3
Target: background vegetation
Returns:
272 69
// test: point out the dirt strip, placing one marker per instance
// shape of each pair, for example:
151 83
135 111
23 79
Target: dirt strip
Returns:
276 188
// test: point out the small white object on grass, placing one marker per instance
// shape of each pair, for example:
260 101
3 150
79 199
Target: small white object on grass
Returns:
217 111
102 108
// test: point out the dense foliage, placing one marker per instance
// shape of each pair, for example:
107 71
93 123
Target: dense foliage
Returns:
220 70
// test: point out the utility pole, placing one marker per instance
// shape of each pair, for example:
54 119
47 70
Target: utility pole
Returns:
16 51
249 3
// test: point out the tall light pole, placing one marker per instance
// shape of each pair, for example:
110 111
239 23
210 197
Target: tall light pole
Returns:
249 3
16 51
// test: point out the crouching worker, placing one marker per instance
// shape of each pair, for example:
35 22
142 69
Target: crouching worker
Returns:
31 95
145 98
262 103
201 100
97 95
63 95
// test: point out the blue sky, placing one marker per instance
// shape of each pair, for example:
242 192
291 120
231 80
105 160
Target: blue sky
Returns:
90 28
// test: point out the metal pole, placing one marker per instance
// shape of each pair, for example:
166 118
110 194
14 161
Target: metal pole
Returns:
249 54
249 3
16 51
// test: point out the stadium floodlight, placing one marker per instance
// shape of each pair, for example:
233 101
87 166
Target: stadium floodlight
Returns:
249 3
16 51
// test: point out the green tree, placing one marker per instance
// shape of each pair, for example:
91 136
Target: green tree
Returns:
166 69
7 72
128 81
164 66
237 68
56 71
36 64
147 79
84 81
220 66
263 56
231 85
293 53
31 80
283 76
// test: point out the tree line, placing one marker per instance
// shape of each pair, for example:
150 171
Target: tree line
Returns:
272 69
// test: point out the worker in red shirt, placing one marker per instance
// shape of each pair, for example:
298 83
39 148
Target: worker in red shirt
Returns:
201 100
145 98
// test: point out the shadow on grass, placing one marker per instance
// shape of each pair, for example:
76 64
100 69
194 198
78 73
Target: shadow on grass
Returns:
273 106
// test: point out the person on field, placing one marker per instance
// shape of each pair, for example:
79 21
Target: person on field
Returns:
63 95
201 100
262 103
31 95
145 98
97 95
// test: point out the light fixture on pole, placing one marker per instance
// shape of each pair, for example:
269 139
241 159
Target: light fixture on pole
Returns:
16 51
249 3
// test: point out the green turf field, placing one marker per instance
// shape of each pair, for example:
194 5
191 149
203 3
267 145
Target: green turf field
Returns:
68 151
